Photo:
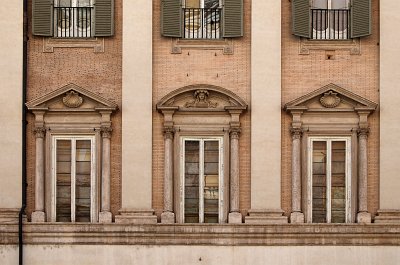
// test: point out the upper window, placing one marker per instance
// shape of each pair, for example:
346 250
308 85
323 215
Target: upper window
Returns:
73 18
202 19
331 19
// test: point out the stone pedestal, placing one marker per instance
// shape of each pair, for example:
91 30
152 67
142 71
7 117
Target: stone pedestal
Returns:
9 215
127 216
235 218
388 217
167 218
297 218
363 218
266 217
105 217
38 217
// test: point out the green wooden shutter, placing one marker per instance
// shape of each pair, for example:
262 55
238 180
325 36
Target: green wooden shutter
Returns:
42 17
301 18
360 18
104 18
171 18
233 18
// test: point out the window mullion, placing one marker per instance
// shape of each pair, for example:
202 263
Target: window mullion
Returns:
201 182
73 178
329 181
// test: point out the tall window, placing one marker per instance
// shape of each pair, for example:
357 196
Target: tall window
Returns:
73 18
202 179
74 179
329 180
330 19
202 19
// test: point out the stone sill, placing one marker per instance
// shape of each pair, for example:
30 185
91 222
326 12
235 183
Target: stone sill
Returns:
217 235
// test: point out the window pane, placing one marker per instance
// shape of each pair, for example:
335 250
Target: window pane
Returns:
338 191
64 3
83 3
192 3
83 177
211 3
63 181
319 182
340 4
211 181
320 4
192 152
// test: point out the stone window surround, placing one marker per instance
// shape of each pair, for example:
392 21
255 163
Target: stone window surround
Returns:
357 128
89 115
179 108
96 43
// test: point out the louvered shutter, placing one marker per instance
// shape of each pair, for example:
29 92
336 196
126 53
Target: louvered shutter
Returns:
171 18
233 18
301 18
104 18
42 17
360 18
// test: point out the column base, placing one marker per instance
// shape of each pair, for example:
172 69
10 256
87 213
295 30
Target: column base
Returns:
363 218
297 218
10 215
235 218
38 217
388 217
266 217
105 217
128 216
167 218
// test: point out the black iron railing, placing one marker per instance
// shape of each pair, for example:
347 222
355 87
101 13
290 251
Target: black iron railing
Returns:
202 23
330 24
73 22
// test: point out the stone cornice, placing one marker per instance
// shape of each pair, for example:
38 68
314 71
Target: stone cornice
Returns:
186 234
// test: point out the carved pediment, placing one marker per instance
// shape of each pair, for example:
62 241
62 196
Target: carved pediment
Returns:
71 98
331 98
201 98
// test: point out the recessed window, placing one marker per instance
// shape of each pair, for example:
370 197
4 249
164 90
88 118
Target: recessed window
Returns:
74 179
202 179
329 179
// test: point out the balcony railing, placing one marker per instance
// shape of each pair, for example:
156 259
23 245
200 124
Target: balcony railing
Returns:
330 24
73 22
202 23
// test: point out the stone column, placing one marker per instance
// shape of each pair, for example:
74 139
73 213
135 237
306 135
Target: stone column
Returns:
363 216
105 215
38 215
168 216
296 216
234 216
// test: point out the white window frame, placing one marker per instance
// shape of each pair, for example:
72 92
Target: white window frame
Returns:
201 176
348 169
93 175
76 32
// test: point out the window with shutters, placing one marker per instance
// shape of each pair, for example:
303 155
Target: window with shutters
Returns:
202 19
73 179
329 180
331 19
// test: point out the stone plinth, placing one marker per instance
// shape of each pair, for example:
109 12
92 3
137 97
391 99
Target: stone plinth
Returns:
136 217
266 217
388 217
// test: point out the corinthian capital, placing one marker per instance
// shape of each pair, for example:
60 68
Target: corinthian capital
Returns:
363 132
39 132
296 133
169 132
235 132
106 132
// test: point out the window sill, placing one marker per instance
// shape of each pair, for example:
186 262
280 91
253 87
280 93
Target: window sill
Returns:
96 43
226 45
352 45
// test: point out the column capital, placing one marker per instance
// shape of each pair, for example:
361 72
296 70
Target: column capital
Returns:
106 131
40 132
235 132
169 132
296 132
363 132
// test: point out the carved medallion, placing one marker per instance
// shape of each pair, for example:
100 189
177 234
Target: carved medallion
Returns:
72 99
201 100
330 100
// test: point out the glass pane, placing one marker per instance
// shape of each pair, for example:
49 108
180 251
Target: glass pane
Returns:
192 153
63 181
64 3
192 3
211 181
340 4
211 3
83 3
83 177
338 191
320 4
319 182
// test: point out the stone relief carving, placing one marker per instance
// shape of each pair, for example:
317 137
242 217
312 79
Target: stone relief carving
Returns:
330 100
72 99
201 100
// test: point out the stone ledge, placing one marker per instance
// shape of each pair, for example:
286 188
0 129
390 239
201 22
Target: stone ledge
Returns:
188 234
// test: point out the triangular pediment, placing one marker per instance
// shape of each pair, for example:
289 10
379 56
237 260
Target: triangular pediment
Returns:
201 98
331 98
71 98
